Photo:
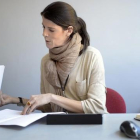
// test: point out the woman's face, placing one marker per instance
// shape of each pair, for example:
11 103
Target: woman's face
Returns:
54 35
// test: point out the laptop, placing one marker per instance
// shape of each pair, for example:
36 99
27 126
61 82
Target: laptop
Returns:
2 67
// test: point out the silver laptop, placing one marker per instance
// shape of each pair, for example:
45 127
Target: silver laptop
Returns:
2 67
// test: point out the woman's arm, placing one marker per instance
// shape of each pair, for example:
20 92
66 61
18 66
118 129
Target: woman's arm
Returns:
24 100
6 99
36 101
68 104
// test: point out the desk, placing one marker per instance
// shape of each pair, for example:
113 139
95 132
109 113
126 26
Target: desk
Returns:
109 130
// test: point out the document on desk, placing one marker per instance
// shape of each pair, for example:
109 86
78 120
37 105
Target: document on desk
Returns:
13 117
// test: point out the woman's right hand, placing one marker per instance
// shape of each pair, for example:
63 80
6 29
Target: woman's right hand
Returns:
5 99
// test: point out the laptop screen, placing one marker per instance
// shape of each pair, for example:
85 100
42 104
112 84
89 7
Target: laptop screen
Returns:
2 67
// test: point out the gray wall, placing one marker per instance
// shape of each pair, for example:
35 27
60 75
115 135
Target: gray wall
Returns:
114 28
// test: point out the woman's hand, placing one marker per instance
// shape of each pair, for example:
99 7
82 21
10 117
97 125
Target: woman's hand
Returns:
36 101
5 99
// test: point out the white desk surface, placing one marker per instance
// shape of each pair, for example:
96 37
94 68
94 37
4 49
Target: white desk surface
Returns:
109 130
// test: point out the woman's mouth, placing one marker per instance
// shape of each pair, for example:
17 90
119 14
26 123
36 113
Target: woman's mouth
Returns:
48 41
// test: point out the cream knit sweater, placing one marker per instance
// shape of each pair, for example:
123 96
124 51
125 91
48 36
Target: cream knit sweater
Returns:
86 82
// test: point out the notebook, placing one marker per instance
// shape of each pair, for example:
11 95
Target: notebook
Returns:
2 67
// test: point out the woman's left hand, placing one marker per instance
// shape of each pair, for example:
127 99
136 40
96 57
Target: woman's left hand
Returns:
36 101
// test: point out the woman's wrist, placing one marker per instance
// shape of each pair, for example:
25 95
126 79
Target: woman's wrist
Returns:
24 101
49 97
15 100
53 98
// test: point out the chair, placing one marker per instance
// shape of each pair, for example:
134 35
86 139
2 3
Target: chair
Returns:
115 102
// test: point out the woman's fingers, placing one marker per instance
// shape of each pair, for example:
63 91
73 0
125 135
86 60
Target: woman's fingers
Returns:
27 107
32 108
36 101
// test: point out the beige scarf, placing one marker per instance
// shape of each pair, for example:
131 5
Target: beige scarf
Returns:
60 64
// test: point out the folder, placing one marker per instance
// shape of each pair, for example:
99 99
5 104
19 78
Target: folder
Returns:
14 117
74 119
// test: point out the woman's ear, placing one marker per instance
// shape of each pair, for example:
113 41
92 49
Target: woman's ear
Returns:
69 30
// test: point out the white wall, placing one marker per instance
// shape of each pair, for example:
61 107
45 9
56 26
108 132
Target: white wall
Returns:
114 28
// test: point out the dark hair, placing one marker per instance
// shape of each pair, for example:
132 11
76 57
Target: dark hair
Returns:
64 15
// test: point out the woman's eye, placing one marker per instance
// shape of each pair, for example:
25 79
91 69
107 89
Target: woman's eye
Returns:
43 27
51 30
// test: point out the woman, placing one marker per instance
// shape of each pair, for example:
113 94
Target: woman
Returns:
72 73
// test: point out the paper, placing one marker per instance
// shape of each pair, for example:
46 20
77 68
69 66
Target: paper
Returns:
13 117
1 74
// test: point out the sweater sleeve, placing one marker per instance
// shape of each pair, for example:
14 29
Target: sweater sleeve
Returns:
96 96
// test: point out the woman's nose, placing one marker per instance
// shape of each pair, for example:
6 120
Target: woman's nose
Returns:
45 33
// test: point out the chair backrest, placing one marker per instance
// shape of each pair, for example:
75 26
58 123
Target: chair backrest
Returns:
115 102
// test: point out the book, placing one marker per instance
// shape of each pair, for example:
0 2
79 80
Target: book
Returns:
14 117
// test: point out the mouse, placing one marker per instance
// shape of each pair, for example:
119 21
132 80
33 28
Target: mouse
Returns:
130 129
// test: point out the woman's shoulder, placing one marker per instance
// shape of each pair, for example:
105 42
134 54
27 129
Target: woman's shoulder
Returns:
93 57
92 52
45 58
